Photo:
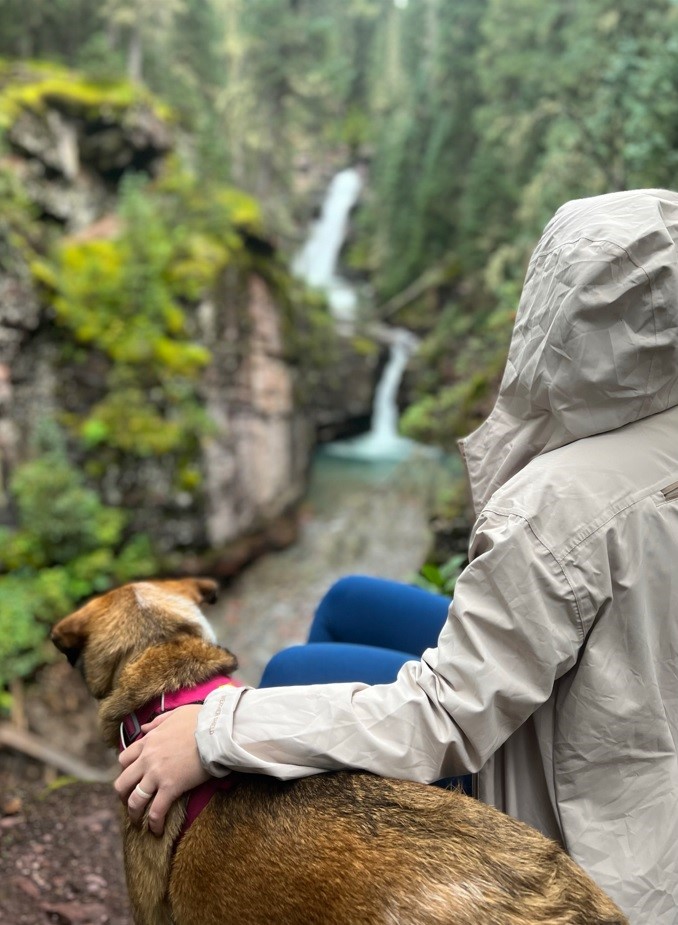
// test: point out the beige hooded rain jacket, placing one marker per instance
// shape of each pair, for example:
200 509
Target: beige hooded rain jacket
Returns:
556 674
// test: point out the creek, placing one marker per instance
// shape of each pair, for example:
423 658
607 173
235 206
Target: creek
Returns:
367 506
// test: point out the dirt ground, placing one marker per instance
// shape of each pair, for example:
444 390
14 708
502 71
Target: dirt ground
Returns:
60 859
60 849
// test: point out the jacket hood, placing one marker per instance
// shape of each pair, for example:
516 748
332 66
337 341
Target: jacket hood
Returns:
595 341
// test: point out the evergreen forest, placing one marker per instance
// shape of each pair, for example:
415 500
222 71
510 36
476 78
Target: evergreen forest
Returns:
473 120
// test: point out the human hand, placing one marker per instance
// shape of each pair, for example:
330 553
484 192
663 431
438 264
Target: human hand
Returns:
161 766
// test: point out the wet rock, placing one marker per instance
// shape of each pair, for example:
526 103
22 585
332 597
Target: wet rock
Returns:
19 308
257 460
72 142
136 142
342 402
49 138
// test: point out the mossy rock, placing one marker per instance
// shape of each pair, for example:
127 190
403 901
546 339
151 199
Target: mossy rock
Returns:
38 86
61 119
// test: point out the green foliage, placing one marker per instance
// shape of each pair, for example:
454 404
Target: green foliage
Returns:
207 221
22 634
440 579
456 372
423 135
124 309
491 115
124 297
63 517
48 29
67 546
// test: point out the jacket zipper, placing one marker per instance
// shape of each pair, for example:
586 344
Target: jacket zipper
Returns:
670 492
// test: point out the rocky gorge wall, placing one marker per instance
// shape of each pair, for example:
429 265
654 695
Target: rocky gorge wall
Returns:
269 379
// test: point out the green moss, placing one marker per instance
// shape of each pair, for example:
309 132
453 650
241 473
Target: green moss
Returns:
128 421
199 258
242 210
36 86
189 477
207 222
216 210
133 299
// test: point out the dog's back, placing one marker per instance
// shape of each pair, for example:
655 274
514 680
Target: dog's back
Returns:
354 849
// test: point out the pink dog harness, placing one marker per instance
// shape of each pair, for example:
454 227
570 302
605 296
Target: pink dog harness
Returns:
130 731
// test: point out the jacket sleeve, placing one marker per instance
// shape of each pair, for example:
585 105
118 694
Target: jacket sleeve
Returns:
511 631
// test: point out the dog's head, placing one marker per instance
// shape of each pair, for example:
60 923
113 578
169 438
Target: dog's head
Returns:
111 629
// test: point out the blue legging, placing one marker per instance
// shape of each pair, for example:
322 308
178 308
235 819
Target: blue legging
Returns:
364 629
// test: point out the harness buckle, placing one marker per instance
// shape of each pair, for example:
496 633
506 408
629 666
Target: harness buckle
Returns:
128 736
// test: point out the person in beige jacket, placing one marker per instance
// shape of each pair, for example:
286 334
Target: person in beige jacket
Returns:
555 677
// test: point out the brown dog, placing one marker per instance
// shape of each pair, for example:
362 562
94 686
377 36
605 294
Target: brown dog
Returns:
334 849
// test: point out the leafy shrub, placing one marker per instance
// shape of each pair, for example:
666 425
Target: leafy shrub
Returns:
67 546
440 579
63 517
120 296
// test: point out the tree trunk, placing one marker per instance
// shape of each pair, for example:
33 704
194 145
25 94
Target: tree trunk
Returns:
135 56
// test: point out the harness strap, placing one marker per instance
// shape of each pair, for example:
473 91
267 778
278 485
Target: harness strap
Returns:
199 797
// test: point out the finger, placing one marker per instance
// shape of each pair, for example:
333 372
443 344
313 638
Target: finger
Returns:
162 801
130 754
145 727
127 781
139 799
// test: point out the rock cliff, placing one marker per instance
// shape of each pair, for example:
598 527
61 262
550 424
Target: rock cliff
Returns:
261 393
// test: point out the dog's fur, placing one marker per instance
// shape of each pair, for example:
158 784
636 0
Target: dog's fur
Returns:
333 849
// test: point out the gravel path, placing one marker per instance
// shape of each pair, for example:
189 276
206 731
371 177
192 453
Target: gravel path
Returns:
362 518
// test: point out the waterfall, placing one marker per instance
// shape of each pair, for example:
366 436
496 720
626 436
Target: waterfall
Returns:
383 443
384 422
316 264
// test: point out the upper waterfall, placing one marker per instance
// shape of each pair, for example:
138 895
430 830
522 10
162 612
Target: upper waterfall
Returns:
316 262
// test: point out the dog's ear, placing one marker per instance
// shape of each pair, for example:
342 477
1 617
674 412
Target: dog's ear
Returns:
70 635
207 590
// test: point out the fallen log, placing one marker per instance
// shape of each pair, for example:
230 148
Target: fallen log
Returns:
29 744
